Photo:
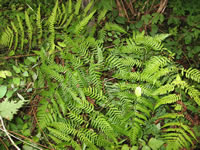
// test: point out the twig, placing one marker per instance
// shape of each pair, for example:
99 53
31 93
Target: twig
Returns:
9 134
24 137
6 147
18 56
6 132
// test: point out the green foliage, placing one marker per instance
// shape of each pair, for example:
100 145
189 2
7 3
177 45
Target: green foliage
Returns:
86 94
99 112
8 109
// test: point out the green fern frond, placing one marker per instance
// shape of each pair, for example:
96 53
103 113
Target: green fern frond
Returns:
161 37
95 75
60 135
114 27
77 6
43 114
143 109
51 22
7 38
94 93
79 27
114 114
132 48
101 15
129 61
21 32
16 35
30 29
101 36
39 26
148 41
193 74
76 118
69 8
84 52
101 123
134 132
164 89
171 115
114 62
171 98
185 127
88 7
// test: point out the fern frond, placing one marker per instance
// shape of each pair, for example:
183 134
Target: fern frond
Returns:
51 22
101 123
171 98
60 135
43 114
114 62
30 29
161 37
114 27
164 89
79 27
7 38
134 132
69 4
101 15
94 93
87 8
185 127
148 41
77 6
16 35
21 31
39 26
129 61
95 75
171 115
193 74
143 109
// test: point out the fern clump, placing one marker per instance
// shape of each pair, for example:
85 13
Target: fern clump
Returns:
102 98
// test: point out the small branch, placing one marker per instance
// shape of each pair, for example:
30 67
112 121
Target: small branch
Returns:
18 56
24 137
6 132
22 141
4 144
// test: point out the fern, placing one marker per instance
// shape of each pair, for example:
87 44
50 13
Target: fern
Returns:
16 35
52 20
21 31
193 74
30 28
39 26
78 6
84 22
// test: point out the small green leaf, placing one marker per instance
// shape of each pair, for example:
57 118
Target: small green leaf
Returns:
2 74
3 90
16 81
17 70
61 44
155 144
25 74
134 148
125 147
146 147
8 73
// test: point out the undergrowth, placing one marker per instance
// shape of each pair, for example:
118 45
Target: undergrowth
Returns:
132 95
